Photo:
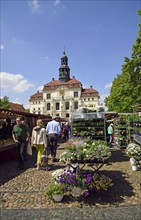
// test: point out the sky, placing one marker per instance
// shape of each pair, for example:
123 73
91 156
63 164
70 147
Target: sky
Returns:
96 35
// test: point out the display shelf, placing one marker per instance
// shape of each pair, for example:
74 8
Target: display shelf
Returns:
137 124
6 144
137 130
122 130
88 125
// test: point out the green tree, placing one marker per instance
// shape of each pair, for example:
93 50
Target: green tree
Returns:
126 87
27 110
4 102
101 109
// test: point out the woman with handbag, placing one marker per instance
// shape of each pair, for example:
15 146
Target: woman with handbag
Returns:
39 140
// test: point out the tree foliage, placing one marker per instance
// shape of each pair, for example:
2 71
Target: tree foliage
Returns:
126 87
4 102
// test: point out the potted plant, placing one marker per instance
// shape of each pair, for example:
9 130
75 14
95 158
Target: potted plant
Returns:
134 152
55 191
102 182
73 180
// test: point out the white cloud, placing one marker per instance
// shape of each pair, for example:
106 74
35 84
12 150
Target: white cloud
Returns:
2 46
40 88
102 97
57 2
108 86
14 82
35 6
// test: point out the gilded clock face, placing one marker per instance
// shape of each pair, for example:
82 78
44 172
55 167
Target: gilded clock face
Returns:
62 92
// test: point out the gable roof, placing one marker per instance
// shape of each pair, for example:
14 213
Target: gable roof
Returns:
36 96
16 107
89 92
54 84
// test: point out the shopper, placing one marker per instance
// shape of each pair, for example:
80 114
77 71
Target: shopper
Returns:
110 133
53 130
39 141
28 129
20 135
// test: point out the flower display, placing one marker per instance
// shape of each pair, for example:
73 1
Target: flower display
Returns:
134 150
71 179
85 150
87 181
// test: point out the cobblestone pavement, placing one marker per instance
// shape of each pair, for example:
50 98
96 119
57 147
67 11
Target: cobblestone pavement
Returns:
22 198
112 213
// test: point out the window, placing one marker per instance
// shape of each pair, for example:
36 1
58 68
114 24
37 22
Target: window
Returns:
48 96
75 94
67 115
75 105
57 105
48 106
67 105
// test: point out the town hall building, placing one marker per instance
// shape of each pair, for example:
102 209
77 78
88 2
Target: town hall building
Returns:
63 96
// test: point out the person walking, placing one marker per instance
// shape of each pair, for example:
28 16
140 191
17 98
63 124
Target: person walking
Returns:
39 140
28 129
53 131
110 133
20 135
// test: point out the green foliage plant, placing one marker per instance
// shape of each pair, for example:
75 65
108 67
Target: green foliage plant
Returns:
54 189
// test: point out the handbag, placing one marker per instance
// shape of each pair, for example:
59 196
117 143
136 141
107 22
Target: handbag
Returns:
44 159
29 149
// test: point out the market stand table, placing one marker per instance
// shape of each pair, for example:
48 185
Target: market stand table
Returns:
94 163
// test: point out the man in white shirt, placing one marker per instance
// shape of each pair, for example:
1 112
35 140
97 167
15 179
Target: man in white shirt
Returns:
53 130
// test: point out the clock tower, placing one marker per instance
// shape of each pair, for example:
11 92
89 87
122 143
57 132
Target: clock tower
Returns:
64 70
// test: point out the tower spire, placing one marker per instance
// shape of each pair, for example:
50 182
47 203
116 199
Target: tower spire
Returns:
64 70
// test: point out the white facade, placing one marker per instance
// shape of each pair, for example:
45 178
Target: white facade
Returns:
63 96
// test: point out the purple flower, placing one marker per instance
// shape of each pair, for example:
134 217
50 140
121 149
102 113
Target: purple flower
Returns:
87 193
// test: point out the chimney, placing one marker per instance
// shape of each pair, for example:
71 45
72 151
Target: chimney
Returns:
91 87
52 79
73 77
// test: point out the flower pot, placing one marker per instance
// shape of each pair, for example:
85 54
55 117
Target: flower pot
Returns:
57 197
134 167
132 161
76 191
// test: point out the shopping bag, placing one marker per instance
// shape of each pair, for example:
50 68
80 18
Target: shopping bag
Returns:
29 149
44 159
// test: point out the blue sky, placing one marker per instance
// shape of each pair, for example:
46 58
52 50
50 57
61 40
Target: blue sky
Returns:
96 35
